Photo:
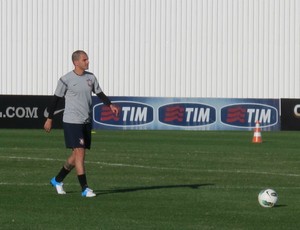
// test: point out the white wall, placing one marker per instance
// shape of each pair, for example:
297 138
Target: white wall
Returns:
163 48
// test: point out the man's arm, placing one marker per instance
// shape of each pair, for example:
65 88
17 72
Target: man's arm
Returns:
51 109
107 102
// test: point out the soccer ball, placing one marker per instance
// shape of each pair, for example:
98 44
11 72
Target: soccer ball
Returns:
267 198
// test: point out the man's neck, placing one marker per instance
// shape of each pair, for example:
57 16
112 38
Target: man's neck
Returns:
78 72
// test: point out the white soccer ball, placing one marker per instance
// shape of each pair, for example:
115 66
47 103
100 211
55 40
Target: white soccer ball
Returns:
267 198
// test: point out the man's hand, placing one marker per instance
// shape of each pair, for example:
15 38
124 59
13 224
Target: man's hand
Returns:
48 125
115 109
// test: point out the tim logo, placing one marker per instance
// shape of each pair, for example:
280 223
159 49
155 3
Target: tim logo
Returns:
131 114
245 115
187 114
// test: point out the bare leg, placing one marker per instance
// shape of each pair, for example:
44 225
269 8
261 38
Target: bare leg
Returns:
77 159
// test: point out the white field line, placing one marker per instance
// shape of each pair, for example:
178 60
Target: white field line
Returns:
238 171
25 184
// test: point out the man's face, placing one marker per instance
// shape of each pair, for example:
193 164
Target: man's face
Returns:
83 62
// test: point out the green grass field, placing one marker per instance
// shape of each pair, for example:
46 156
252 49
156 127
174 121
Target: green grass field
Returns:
152 180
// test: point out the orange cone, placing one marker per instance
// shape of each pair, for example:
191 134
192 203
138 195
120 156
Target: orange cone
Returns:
257 134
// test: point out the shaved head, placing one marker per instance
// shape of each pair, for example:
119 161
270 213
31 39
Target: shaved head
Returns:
76 55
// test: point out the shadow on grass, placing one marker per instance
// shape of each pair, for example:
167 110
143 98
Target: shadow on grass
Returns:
280 206
142 188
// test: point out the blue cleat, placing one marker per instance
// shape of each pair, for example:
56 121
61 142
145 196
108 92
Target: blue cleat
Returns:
58 186
88 193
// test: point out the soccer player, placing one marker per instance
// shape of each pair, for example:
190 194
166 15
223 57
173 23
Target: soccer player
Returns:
77 87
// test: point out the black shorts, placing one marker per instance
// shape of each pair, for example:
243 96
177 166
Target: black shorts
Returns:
77 135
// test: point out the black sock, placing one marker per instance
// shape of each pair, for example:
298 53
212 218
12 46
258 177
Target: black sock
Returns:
82 181
62 174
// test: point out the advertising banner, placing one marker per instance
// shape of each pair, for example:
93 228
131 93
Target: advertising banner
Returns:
290 114
29 112
152 113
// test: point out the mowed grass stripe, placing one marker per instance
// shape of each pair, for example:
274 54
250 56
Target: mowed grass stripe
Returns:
154 167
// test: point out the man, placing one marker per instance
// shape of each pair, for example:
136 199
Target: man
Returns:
77 87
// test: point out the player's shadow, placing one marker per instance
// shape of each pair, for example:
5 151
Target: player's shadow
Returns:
143 188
